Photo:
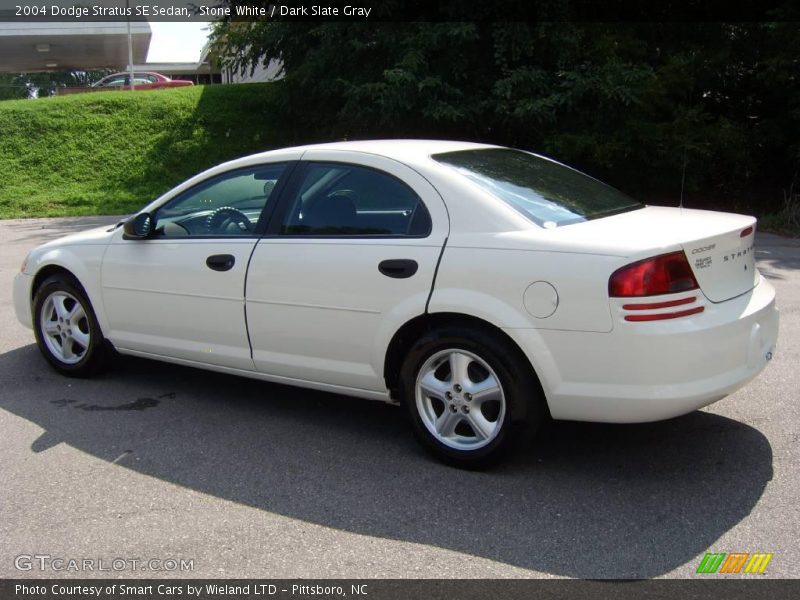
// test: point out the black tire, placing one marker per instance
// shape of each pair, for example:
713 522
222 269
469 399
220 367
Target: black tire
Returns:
522 398
94 358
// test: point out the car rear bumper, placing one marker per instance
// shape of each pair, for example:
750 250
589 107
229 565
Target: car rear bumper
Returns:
655 370
22 295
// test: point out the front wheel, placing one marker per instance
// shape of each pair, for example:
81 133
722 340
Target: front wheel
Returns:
470 396
66 328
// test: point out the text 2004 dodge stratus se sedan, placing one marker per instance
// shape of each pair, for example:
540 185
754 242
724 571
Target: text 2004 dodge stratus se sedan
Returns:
478 286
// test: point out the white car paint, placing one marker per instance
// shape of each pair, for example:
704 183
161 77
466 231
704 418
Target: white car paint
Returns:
188 314
315 312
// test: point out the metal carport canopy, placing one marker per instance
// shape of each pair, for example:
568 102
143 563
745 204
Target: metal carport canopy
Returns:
27 47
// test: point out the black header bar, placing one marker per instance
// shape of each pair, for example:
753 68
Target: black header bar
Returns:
22 11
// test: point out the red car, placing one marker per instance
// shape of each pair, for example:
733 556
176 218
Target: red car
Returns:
141 81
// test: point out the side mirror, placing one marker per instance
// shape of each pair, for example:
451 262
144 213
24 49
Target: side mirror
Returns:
138 227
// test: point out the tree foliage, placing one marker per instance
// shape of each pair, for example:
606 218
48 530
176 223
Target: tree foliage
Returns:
633 103
15 86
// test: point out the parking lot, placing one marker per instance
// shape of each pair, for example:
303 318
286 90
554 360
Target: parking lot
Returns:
250 479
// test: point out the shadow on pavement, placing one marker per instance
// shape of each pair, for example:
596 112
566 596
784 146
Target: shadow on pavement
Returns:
775 254
590 501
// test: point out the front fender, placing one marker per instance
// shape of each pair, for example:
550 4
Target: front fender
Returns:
84 263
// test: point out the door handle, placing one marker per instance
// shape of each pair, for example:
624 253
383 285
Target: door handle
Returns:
220 262
398 268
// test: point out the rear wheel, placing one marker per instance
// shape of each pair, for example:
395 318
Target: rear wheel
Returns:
470 396
66 328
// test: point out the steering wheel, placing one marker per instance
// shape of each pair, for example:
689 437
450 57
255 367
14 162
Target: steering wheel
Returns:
347 193
225 216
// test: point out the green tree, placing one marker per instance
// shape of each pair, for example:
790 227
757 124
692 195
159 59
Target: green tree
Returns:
16 85
639 104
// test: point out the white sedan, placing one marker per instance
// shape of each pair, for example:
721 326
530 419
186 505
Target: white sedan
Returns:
480 287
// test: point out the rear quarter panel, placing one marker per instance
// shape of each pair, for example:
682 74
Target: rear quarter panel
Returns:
490 282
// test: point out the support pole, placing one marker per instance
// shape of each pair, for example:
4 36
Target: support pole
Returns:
130 45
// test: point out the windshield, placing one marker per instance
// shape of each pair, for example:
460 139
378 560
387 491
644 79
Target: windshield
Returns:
548 193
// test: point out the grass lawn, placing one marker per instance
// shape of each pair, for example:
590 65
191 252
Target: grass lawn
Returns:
112 152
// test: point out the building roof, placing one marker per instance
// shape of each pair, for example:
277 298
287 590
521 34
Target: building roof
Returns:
27 47
177 68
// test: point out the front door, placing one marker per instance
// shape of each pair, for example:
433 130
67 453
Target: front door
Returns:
180 293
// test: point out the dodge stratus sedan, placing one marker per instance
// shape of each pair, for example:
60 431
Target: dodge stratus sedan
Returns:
480 287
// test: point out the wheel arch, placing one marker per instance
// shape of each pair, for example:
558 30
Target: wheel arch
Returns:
97 351
49 270
412 330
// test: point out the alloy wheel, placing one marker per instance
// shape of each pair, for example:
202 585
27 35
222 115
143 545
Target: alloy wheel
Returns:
460 399
65 327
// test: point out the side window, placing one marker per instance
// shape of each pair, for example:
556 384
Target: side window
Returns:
347 200
226 205
116 82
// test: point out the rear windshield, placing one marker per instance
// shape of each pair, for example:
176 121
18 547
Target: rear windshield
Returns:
548 193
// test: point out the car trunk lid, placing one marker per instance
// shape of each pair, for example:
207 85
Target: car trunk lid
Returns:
718 246
721 257
724 263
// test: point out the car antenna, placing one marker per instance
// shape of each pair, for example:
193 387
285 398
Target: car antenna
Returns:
683 178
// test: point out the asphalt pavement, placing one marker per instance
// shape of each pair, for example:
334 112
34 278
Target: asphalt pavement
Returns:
242 478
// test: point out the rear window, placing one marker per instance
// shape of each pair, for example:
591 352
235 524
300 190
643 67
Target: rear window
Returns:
547 193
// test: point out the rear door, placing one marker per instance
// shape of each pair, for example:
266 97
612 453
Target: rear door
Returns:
145 81
349 258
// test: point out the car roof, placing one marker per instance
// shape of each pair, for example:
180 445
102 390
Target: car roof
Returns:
403 150
135 73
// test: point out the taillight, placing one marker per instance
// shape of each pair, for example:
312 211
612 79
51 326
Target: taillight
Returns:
664 274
